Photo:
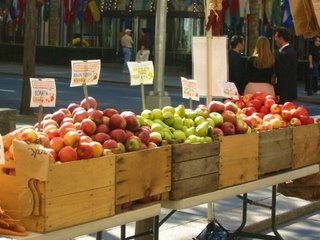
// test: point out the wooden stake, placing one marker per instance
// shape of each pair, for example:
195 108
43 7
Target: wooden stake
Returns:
209 55
85 92
40 114
143 97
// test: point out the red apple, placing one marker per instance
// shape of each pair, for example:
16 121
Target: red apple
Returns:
89 103
118 134
66 127
229 116
85 138
88 126
269 102
295 122
246 98
84 151
275 123
259 95
102 128
67 119
72 106
240 104
306 120
256 103
216 106
44 139
109 144
100 137
275 109
97 149
152 145
52 154
231 107
228 128
288 106
265 110
143 134
300 111
67 154
108 112
58 116
286 115
248 110
216 132
56 143
133 143
71 138
80 115
96 115
29 135
116 121
48 122
156 138
132 122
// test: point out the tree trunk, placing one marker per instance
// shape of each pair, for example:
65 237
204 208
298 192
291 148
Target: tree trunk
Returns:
253 26
29 53
54 21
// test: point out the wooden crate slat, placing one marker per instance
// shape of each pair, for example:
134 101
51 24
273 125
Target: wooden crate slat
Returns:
194 186
143 172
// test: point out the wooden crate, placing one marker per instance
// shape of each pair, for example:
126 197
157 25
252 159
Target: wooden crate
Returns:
142 174
275 150
238 159
305 145
74 193
194 169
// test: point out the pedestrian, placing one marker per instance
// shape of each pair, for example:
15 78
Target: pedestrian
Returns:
236 63
314 59
285 67
127 44
260 68
143 52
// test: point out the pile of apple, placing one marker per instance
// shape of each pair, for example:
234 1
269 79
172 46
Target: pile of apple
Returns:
263 113
201 125
82 131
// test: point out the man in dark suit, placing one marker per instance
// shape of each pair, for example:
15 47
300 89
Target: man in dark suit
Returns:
285 67
236 63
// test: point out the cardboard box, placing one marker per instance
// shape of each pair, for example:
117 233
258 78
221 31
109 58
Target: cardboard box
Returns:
73 193
141 175
238 159
275 150
195 169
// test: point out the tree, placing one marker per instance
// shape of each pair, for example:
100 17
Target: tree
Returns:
253 26
29 54
54 23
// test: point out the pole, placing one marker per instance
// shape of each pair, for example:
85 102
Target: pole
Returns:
209 55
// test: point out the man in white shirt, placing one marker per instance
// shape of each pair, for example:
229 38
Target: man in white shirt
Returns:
127 44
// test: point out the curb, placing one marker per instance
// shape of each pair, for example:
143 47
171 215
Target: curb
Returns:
283 218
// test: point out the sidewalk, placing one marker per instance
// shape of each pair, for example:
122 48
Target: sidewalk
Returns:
303 217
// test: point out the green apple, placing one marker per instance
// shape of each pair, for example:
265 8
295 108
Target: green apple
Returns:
217 118
202 112
141 120
179 136
192 138
147 114
180 110
168 111
190 113
156 127
198 120
202 129
157 113
178 123
188 122
211 122
190 131
169 120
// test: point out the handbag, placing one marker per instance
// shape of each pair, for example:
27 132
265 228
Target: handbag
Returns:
213 231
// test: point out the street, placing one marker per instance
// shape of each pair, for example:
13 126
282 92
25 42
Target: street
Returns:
119 95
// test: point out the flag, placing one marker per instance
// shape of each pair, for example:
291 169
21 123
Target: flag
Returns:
287 18
275 14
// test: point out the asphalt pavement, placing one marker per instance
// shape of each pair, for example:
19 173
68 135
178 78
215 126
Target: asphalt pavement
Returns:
297 218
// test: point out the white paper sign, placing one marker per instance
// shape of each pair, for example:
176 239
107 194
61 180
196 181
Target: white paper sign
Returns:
2 159
43 92
229 90
218 66
190 89
85 72
141 73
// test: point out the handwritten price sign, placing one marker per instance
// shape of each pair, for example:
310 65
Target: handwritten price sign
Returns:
190 89
43 92
85 72
141 73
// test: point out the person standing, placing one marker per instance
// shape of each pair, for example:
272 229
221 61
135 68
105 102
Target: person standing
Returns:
143 47
260 68
314 59
236 63
127 44
285 67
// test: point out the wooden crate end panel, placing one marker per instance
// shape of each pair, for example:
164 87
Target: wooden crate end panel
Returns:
188 151
194 186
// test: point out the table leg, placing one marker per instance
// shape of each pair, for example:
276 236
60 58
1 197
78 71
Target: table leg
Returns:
99 235
155 232
273 212
123 232
210 211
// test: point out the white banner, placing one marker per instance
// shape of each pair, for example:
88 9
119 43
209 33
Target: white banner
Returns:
43 92
219 65
141 73
85 72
